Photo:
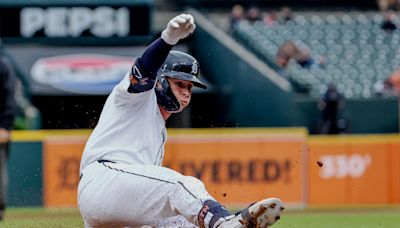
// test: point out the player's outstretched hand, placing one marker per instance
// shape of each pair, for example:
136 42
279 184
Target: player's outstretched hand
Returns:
178 28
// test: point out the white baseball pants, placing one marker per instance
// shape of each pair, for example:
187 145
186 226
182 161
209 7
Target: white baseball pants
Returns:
111 194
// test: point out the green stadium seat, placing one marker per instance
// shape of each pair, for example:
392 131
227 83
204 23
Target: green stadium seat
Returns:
357 51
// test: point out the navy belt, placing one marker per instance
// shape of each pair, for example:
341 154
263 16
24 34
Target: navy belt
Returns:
102 161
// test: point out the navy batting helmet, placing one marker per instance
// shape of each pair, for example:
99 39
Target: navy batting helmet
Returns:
181 66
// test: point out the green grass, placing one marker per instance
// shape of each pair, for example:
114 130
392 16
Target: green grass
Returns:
366 217
42 217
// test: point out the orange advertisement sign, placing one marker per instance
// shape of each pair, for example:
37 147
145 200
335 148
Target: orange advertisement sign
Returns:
394 171
352 170
241 166
239 169
61 160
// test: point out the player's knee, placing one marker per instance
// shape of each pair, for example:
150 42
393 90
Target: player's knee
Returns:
193 181
188 184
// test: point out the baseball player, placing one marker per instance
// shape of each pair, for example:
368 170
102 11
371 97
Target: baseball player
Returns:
122 181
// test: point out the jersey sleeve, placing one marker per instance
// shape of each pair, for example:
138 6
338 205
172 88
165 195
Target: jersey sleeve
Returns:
143 74
140 80
142 77
123 89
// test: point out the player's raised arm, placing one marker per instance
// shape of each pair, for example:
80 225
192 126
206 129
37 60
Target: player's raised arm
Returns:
144 71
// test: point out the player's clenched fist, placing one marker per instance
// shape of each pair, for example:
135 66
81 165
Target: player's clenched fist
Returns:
178 28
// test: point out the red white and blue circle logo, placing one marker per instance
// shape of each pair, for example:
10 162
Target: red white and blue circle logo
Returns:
82 73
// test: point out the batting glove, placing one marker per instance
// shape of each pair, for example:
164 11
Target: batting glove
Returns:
178 28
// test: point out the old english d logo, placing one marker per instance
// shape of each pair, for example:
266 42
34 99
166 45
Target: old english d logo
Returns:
195 68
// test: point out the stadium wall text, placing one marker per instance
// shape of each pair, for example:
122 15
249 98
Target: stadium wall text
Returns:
238 166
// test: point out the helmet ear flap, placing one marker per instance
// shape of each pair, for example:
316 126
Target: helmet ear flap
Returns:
165 96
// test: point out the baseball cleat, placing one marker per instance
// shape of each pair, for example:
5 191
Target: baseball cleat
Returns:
261 214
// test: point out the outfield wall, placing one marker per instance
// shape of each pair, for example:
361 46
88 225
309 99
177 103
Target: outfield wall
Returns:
238 166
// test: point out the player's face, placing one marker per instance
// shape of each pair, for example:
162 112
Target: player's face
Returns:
182 90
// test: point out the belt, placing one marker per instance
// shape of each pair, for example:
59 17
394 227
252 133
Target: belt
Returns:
102 161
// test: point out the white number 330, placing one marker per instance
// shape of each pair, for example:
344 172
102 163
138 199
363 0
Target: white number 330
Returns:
341 166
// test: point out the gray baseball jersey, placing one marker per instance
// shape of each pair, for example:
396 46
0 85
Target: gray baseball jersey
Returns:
130 130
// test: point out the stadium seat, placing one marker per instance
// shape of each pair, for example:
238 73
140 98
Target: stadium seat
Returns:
356 50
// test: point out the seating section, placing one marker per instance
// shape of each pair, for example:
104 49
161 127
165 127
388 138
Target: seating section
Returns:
357 52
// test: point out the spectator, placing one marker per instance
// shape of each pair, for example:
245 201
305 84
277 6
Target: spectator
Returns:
388 24
382 4
286 14
253 14
304 59
270 18
394 80
237 14
330 104
385 5
390 87
282 60
384 89
7 103
289 50
285 53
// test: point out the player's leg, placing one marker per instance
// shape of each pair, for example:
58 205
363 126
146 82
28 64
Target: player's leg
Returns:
260 214
176 221
137 195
